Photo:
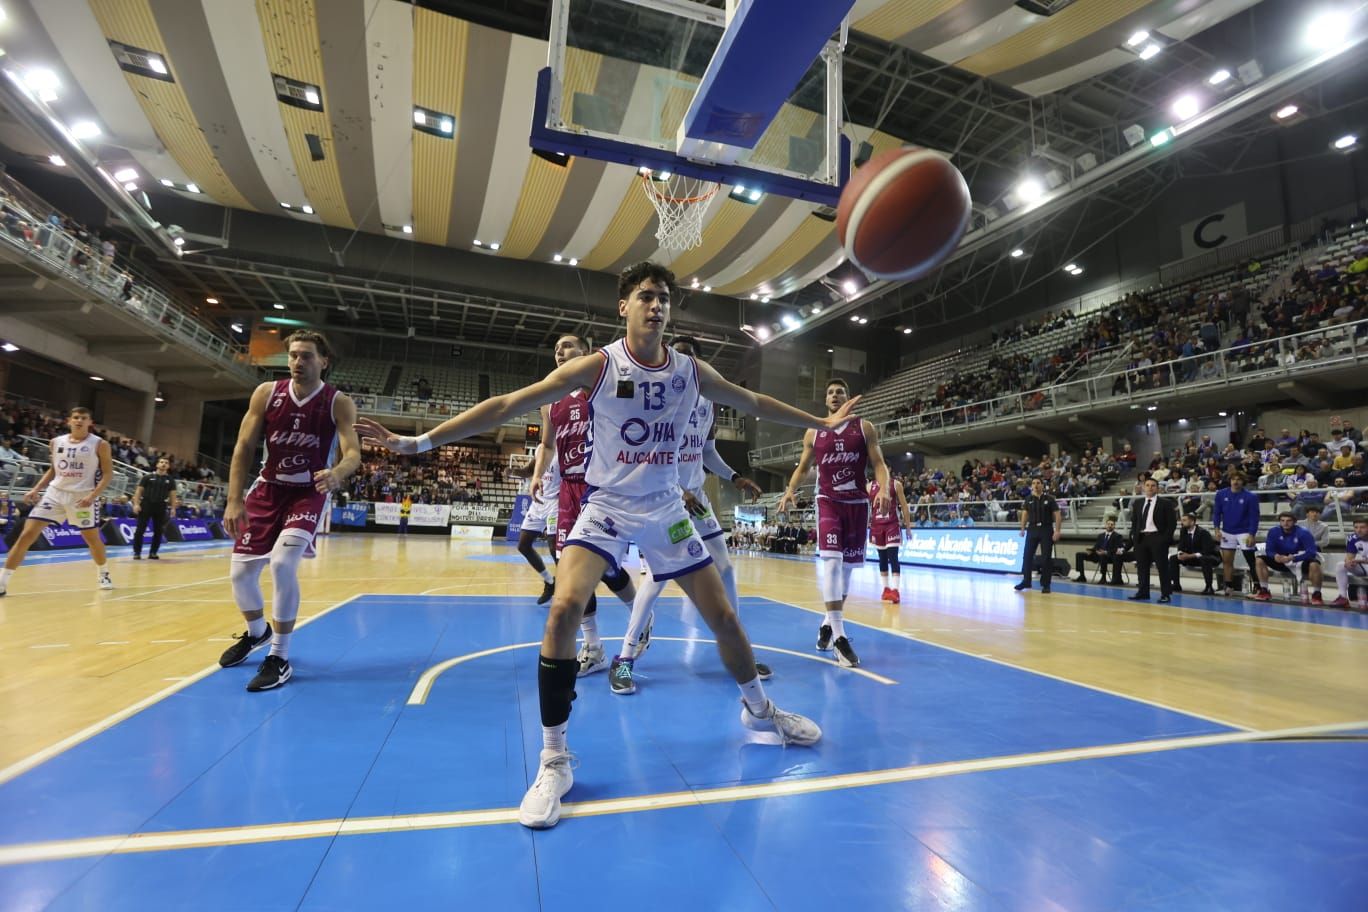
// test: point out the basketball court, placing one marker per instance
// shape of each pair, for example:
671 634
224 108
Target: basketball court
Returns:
993 751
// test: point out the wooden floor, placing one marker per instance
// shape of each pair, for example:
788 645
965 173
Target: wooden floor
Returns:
74 659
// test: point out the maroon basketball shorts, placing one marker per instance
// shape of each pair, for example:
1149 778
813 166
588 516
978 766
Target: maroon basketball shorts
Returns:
841 529
270 510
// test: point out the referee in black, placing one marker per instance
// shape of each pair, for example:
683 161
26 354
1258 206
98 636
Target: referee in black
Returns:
1041 523
153 500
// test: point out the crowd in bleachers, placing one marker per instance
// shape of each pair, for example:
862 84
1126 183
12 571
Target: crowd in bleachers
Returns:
449 475
1162 327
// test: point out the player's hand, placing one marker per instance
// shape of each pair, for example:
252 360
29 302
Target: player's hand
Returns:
370 429
1248 540
841 415
325 482
1021 534
787 499
535 490
694 505
86 502
32 497
747 487
1055 536
883 504
135 509
232 518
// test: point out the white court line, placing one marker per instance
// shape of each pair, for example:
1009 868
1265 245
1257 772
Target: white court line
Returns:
50 646
137 595
423 686
26 853
22 766
436 589
112 643
1026 668
158 642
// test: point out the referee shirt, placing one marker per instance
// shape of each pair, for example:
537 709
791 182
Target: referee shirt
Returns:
1040 512
156 490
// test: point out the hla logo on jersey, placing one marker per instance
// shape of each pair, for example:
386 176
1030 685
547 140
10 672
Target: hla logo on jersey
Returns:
635 432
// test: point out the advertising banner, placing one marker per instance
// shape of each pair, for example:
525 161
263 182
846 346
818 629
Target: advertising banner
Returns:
353 514
965 549
120 531
187 530
387 514
471 533
521 504
476 514
59 536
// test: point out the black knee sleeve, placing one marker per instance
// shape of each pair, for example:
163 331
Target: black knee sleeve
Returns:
893 564
883 560
617 581
592 607
556 688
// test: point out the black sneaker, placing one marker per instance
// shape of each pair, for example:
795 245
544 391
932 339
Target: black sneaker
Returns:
845 655
824 638
238 652
154 557
273 672
137 556
1021 586
548 590
763 671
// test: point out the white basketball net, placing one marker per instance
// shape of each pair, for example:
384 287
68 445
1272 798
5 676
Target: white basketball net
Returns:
680 203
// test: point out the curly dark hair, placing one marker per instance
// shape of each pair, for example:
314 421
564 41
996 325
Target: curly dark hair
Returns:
637 273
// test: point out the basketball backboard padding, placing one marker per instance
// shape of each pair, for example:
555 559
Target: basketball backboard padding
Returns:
764 52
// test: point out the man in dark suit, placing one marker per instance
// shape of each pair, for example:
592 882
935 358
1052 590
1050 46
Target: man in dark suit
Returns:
1196 548
1153 519
1105 551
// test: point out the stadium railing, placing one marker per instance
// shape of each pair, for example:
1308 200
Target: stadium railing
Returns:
1343 345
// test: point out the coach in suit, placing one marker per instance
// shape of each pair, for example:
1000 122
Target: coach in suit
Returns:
1105 551
1196 548
1153 519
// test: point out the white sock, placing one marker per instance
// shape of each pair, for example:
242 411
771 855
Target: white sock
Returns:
646 596
101 568
280 643
5 574
589 627
547 577
553 737
897 581
833 619
883 578
256 627
753 692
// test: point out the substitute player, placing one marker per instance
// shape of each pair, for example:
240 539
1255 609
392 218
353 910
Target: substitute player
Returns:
304 421
697 452
843 453
81 467
641 395
885 534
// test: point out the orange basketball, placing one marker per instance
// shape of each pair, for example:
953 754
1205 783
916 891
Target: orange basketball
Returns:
903 213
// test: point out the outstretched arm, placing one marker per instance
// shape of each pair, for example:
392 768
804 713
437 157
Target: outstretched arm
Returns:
494 411
712 385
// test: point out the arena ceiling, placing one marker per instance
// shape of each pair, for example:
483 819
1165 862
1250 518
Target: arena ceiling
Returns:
993 82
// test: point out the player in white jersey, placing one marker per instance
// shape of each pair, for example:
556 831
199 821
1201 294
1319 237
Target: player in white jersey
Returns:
82 466
541 517
697 453
641 395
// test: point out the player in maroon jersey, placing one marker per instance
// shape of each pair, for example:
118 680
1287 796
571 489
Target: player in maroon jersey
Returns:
303 420
566 438
842 455
885 534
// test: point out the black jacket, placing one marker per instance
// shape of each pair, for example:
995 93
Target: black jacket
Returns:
1165 517
1109 543
1196 541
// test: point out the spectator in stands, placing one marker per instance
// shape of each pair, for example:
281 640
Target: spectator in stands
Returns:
1196 548
1289 545
1193 502
1345 457
1339 500
1105 552
1355 476
1319 530
1308 495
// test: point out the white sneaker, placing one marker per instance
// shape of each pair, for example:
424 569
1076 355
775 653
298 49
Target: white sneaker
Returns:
591 660
105 581
541 806
790 727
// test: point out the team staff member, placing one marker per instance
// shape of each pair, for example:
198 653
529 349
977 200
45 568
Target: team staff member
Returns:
1153 519
154 498
1041 524
1196 548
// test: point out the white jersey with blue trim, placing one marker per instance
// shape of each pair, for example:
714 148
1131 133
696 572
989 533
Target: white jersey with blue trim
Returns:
639 413
76 464
692 441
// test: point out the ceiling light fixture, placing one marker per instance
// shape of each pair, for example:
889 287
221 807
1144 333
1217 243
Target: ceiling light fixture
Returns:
1018 253
1218 77
126 174
1151 50
85 129
157 65
1137 39
57 160
211 300
1286 111
1030 190
278 306
97 379
193 188
407 229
